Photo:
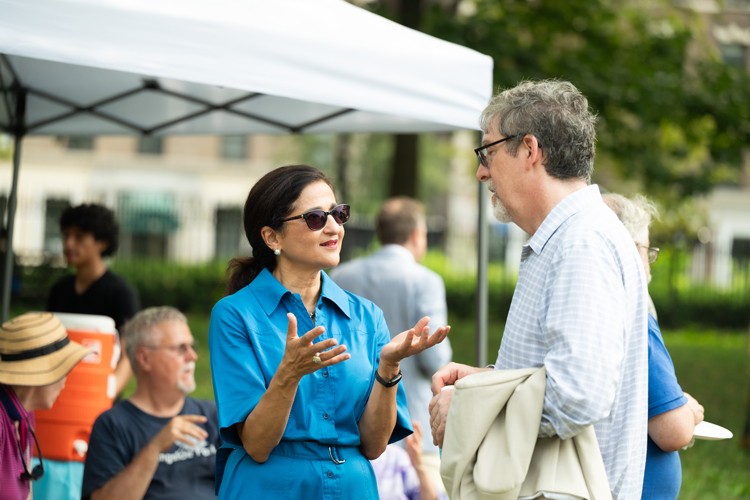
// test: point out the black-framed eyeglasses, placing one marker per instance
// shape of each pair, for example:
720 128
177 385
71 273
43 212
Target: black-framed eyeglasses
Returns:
653 252
181 349
316 219
481 151
38 470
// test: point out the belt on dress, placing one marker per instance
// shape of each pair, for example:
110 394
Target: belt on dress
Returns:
313 450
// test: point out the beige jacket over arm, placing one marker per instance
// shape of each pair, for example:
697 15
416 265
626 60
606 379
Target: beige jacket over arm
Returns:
492 450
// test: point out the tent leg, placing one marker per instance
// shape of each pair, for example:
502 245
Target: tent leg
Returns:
8 275
482 278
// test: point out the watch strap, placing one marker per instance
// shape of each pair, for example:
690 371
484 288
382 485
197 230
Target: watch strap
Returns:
389 383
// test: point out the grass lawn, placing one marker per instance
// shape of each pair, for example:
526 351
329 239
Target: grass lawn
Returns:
712 366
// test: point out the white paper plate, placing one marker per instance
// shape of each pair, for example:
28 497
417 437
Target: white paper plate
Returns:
712 432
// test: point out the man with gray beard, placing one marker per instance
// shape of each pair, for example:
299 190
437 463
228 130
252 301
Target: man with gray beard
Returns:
579 306
159 443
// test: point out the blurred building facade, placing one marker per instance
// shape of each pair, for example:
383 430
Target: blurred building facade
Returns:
723 253
177 197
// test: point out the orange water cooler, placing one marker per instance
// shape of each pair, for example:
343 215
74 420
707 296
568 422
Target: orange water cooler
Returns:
64 430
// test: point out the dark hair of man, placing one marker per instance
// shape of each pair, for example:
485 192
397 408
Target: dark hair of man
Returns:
95 219
269 202
397 219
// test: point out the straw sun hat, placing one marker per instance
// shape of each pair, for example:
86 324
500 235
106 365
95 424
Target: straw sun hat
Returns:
35 350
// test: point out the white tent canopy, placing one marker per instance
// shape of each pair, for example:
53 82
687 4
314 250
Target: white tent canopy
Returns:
95 67
231 67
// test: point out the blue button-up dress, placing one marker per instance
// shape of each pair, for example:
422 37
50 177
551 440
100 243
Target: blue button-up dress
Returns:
319 455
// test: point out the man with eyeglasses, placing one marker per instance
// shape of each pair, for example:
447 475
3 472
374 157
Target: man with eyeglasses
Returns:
579 307
159 443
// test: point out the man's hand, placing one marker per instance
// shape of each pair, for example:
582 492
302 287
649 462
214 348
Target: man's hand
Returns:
439 407
181 428
442 388
450 373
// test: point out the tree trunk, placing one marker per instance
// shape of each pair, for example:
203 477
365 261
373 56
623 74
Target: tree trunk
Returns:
404 178
341 161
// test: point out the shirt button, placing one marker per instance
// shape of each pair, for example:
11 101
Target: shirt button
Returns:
325 416
329 474
325 373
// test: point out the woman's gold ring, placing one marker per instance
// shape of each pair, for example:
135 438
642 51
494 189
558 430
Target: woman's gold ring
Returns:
316 358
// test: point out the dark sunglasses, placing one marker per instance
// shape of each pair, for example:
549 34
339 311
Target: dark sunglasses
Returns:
316 219
38 470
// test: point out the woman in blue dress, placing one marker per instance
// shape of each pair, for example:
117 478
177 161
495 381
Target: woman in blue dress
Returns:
305 374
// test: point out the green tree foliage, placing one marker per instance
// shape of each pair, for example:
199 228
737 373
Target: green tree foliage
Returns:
673 119
367 159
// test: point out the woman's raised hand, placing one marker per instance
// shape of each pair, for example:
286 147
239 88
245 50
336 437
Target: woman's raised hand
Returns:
413 341
301 356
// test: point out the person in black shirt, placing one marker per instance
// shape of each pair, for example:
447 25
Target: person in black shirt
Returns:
90 233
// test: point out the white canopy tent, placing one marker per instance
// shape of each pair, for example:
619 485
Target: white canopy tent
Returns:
230 67
97 67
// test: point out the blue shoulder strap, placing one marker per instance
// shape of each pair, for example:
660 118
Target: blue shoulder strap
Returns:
9 404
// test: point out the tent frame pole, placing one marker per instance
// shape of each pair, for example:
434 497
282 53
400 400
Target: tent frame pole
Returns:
18 133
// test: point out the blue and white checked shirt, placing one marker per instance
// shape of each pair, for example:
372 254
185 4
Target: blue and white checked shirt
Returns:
580 309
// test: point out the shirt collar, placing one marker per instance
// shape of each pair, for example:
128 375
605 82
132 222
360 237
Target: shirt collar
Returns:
269 292
569 206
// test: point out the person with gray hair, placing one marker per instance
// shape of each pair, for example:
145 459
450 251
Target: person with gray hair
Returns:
636 215
579 308
159 443
672 413
405 290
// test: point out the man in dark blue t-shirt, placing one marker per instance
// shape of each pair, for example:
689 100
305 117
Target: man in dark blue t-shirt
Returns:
159 443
